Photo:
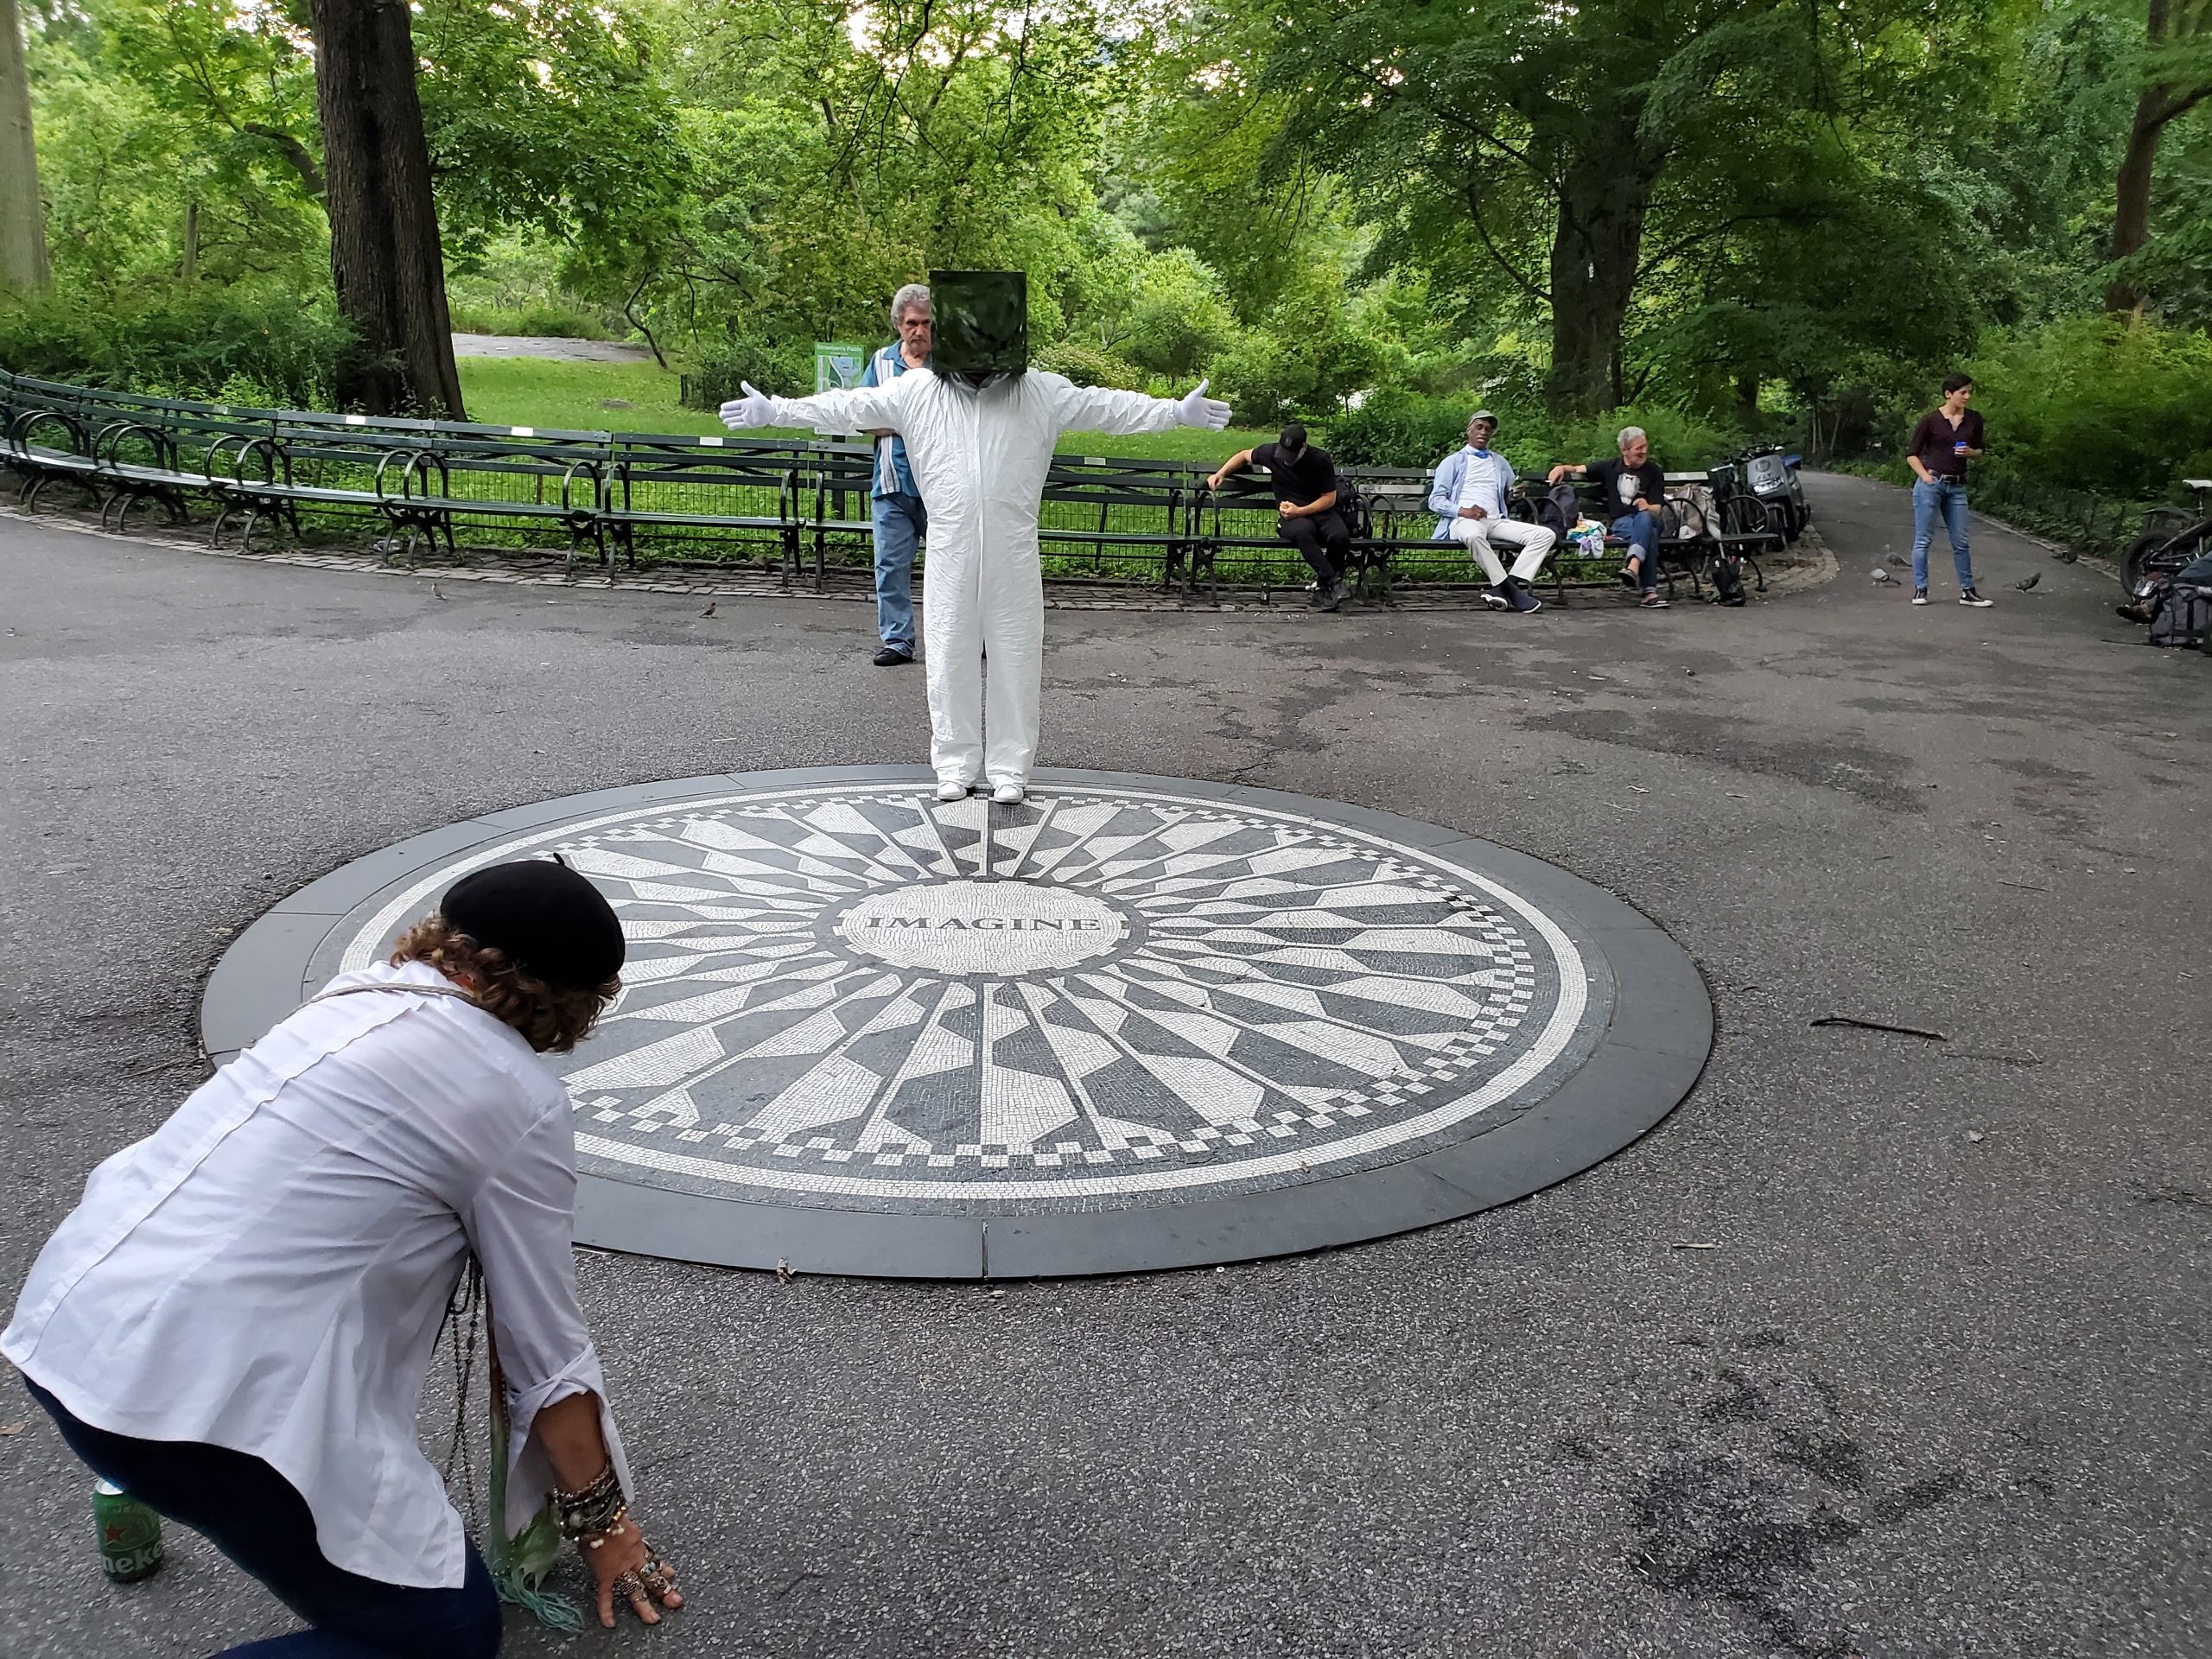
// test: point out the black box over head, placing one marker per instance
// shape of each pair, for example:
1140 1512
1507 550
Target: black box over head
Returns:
982 321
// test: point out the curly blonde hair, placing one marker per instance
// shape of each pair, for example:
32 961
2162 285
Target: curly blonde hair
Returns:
552 1018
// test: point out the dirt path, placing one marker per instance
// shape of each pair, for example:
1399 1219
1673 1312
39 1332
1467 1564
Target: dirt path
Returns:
554 350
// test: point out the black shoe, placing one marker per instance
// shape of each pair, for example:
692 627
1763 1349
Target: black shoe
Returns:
1522 599
893 656
1329 598
1495 599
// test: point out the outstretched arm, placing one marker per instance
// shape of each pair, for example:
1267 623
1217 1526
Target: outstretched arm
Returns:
1099 409
857 409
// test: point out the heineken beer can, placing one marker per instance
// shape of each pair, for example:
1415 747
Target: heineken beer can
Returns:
130 1534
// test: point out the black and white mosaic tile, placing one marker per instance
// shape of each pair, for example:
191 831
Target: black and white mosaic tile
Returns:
867 995
1132 1021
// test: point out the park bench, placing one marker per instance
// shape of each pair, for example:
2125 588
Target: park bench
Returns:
1139 506
172 451
834 497
676 485
501 476
344 464
57 433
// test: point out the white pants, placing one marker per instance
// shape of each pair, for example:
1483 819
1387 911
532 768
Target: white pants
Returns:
979 600
1480 536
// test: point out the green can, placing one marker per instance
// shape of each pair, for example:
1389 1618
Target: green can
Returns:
130 1534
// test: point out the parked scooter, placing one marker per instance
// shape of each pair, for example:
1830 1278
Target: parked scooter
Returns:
1771 475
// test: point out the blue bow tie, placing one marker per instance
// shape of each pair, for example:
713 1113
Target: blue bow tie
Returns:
1480 455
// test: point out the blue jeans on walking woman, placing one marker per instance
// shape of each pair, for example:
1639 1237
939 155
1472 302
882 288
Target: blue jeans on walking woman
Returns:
253 1515
1946 496
900 522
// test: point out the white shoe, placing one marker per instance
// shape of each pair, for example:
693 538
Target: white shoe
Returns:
948 790
1008 795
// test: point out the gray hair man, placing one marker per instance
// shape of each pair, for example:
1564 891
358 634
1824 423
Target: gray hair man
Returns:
1469 496
1635 490
899 519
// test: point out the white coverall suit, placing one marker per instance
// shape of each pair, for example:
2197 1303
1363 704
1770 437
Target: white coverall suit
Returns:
979 457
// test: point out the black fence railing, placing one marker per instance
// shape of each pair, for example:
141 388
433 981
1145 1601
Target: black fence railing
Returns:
799 511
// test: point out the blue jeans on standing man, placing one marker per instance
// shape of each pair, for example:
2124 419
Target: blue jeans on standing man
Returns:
900 521
1946 496
1640 529
255 1517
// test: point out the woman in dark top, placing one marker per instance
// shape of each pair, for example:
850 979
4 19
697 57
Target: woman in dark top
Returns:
1946 439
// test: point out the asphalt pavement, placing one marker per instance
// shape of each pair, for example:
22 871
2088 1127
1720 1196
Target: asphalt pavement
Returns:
1878 1346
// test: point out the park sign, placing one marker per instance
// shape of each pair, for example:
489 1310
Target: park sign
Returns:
838 365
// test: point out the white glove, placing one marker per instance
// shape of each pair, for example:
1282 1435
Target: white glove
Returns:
1199 409
754 409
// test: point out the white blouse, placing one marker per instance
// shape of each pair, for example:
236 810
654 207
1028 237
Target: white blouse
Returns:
269 1269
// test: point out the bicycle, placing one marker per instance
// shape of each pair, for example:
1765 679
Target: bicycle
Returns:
2171 539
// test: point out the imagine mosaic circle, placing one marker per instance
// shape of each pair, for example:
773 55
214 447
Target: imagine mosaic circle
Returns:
858 995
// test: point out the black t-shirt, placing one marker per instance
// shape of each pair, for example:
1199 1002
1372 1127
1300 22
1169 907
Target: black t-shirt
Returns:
1646 480
1309 478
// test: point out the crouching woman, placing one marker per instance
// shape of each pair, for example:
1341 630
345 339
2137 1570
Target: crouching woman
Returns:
235 1323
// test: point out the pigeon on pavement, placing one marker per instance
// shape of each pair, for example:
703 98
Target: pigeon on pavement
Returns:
2025 586
1881 574
1900 561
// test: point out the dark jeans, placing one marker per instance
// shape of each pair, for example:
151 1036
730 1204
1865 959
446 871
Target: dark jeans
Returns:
251 1514
1323 540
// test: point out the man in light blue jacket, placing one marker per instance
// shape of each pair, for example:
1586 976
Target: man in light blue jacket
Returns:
1470 498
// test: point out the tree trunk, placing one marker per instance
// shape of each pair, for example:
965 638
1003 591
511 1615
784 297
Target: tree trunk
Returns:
2130 220
1594 254
23 272
188 266
384 252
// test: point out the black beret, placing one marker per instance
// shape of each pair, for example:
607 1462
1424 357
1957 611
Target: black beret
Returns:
551 921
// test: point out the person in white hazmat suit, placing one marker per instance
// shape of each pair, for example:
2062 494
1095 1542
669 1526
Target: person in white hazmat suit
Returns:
980 429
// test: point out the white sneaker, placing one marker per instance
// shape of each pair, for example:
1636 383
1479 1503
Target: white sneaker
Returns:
1970 597
948 790
1008 795
1920 595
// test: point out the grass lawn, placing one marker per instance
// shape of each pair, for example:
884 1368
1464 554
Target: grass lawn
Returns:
572 396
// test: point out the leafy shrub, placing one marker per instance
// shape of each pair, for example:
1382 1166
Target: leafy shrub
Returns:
185 342
781 365
1089 365
545 321
2089 404
1397 429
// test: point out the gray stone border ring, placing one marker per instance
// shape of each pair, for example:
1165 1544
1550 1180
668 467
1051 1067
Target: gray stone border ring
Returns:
1130 1023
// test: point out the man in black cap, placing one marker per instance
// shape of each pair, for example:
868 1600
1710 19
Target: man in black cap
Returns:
1304 479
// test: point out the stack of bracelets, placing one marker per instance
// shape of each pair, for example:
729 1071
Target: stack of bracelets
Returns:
596 1512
